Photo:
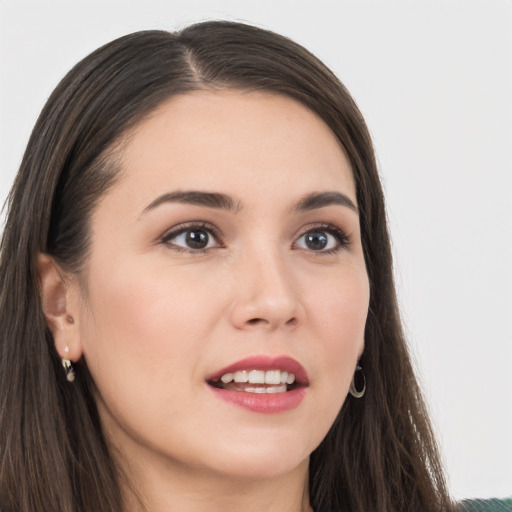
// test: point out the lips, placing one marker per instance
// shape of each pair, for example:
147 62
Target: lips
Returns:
261 383
264 363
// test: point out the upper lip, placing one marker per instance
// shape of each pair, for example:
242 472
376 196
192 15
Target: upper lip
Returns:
264 362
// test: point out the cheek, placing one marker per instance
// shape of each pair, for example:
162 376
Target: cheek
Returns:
340 306
338 312
142 340
146 324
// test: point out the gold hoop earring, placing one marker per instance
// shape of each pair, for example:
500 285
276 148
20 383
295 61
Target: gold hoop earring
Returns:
359 374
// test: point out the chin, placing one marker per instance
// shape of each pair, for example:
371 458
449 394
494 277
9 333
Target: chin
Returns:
262 468
266 456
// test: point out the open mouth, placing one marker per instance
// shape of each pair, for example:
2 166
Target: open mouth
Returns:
257 381
262 384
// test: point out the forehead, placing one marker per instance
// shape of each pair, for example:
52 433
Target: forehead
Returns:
234 141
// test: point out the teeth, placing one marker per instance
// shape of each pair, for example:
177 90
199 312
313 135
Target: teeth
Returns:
273 377
242 376
275 389
256 390
227 378
257 377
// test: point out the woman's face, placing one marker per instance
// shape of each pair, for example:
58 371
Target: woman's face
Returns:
229 244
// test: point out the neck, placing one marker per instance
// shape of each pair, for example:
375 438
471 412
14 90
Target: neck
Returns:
195 490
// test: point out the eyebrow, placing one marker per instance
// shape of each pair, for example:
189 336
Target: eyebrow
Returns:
207 199
221 201
321 199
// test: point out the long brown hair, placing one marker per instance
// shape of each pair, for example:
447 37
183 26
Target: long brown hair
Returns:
380 454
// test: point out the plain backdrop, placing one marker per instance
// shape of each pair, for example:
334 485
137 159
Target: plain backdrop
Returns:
434 81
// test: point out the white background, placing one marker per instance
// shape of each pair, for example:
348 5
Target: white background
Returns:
434 81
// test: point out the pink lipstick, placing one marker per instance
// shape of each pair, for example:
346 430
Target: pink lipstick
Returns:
261 384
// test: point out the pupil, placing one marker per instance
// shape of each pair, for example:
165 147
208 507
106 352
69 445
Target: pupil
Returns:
316 240
197 239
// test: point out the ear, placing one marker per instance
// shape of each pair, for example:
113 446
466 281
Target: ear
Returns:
58 308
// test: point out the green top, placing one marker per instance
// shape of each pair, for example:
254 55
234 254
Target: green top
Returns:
491 505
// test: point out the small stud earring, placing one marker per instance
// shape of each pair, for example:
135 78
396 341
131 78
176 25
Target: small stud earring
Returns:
68 367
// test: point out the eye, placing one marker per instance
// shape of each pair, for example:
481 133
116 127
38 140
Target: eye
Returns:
322 239
191 238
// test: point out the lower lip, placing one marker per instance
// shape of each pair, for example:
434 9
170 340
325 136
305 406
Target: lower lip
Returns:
266 403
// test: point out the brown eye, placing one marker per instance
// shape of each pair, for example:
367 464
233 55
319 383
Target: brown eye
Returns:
197 239
191 238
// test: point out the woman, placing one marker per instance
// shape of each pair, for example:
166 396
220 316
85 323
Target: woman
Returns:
198 309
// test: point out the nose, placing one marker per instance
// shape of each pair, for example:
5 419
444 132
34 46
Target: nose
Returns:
266 295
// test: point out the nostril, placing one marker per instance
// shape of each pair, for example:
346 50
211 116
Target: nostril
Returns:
292 322
255 321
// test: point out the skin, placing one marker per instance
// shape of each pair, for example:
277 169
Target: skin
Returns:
157 317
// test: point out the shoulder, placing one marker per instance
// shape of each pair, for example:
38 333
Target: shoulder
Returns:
490 505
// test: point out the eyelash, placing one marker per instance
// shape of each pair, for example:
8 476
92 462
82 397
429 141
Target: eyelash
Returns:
341 237
194 226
